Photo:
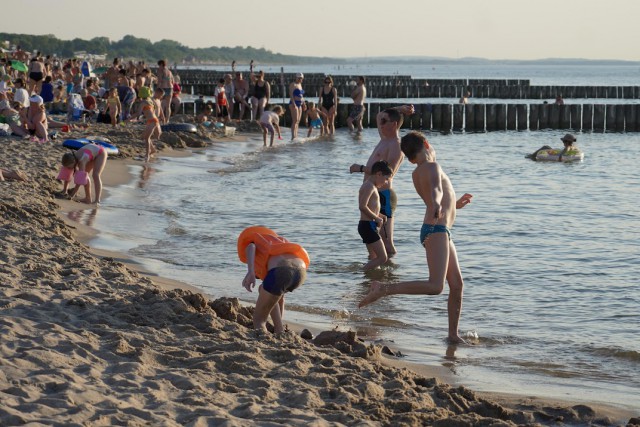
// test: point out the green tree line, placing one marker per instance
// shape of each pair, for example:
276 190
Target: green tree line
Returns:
135 48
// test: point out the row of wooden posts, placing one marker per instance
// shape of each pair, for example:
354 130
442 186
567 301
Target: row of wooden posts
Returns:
198 82
490 117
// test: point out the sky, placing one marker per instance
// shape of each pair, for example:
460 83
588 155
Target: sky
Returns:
492 29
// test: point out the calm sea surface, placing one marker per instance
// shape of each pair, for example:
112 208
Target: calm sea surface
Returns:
548 251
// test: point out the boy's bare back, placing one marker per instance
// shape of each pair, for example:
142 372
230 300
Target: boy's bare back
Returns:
433 185
369 197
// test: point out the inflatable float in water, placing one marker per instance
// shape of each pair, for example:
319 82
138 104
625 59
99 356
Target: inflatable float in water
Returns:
76 144
179 127
553 155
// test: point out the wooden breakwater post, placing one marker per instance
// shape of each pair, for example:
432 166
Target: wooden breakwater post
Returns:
631 117
575 113
598 117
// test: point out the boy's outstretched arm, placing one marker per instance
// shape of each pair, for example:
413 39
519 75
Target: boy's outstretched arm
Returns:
463 201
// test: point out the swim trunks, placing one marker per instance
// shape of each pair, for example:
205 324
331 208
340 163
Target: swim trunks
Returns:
285 278
316 123
428 229
368 231
36 76
356 111
388 202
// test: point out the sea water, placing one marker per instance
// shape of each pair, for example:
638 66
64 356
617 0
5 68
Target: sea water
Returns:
548 250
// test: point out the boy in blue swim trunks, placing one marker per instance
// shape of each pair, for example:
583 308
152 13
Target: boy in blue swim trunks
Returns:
314 119
370 217
436 190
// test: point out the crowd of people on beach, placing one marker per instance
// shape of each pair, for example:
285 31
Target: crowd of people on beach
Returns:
41 96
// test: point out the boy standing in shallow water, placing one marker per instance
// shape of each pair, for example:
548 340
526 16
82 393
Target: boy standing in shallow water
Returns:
370 217
436 190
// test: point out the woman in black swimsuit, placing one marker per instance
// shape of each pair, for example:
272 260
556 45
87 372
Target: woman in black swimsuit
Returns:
36 75
328 103
260 97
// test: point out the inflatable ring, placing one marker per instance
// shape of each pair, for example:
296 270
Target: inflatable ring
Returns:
553 155
179 127
268 244
76 144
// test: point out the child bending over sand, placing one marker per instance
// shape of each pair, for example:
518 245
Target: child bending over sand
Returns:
269 122
282 266
370 217
436 190
91 158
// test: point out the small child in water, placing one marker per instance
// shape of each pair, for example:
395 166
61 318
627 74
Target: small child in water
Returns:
314 118
370 217
269 122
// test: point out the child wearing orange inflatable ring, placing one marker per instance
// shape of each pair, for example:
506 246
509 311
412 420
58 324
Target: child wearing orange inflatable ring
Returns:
282 266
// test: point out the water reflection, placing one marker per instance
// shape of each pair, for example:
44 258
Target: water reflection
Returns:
84 216
145 174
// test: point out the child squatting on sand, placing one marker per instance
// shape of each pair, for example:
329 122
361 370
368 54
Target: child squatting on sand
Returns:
370 217
269 122
436 190
91 158
282 266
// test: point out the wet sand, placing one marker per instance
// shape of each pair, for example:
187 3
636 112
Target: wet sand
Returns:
88 340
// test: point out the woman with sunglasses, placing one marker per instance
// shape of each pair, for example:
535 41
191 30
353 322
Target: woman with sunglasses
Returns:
328 103
296 104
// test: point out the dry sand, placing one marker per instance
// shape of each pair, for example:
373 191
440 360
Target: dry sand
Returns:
85 340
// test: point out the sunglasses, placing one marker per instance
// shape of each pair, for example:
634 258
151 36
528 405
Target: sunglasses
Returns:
384 121
327 82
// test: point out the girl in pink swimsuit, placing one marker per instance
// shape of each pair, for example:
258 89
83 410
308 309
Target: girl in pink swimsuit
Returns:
90 159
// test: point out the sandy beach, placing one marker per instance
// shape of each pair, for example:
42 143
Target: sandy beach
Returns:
85 339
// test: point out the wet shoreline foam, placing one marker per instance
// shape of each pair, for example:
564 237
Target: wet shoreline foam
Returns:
85 339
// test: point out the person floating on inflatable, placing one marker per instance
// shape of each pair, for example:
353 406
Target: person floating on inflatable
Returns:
569 153
279 263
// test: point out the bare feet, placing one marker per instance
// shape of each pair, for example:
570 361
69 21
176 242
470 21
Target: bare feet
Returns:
376 291
87 201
